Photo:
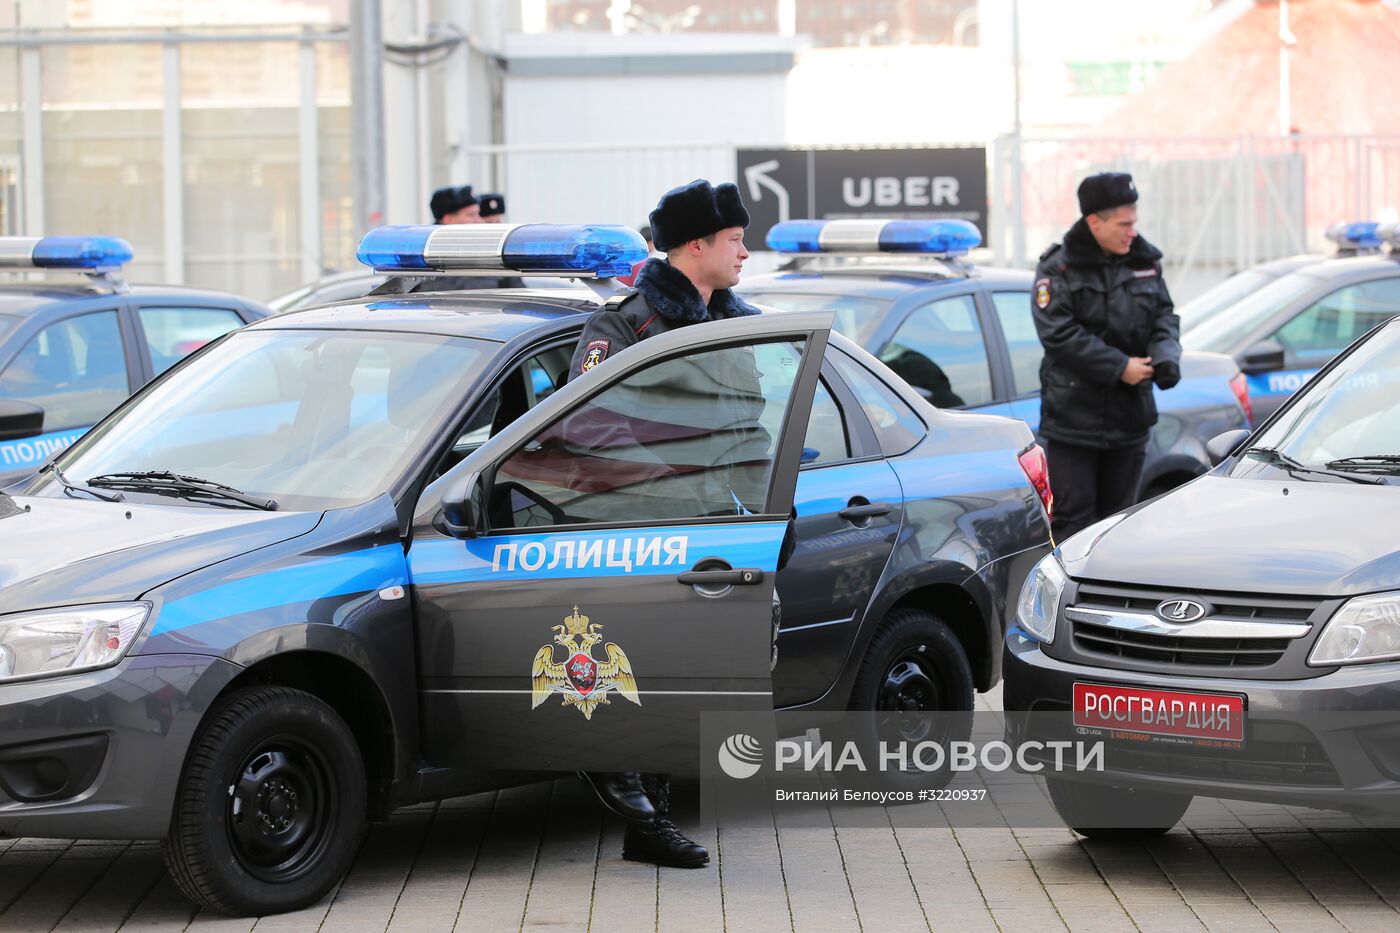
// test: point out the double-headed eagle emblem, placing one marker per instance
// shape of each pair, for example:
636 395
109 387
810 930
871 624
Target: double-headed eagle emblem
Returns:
581 679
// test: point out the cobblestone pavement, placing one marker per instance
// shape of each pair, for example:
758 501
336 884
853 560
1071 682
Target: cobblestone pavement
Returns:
542 857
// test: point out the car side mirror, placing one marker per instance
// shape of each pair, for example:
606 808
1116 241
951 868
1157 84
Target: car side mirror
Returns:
1225 444
459 506
19 419
1266 356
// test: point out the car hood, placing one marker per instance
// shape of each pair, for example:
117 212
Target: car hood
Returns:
56 552
1255 536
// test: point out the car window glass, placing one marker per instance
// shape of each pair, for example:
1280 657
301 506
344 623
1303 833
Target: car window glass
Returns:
686 437
1022 342
521 389
855 316
1223 333
826 440
895 423
345 414
74 369
1334 321
939 351
174 333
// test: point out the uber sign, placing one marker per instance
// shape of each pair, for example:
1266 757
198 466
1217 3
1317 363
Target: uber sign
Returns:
831 184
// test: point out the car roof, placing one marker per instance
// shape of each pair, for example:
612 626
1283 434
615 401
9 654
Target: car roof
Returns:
25 298
498 314
882 280
1364 266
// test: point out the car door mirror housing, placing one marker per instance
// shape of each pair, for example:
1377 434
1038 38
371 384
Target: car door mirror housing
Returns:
1225 444
460 513
19 419
1266 356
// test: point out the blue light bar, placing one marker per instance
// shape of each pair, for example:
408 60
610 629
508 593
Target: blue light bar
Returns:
590 250
1364 235
394 247
80 253
929 237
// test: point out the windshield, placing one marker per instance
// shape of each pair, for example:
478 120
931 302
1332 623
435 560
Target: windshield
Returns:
857 317
310 419
1223 332
1349 419
1221 296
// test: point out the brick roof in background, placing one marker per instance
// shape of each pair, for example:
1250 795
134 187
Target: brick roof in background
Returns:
1342 73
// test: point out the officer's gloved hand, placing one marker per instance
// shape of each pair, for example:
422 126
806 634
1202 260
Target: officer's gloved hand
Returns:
1166 374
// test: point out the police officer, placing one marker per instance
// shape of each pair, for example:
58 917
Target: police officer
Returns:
1109 332
455 205
493 208
701 229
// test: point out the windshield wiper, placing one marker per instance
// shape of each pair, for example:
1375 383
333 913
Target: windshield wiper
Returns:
178 484
70 487
1384 463
1279 458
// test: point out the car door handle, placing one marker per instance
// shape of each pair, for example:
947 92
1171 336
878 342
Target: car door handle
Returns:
743 577
859 513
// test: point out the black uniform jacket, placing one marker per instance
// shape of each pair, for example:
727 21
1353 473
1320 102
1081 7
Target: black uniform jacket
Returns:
1092 312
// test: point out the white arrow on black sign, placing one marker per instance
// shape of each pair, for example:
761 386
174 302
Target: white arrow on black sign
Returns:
758 178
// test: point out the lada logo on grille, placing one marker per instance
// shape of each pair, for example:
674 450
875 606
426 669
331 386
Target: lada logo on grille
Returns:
1180 610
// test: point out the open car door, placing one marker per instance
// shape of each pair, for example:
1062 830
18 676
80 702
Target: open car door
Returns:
600 573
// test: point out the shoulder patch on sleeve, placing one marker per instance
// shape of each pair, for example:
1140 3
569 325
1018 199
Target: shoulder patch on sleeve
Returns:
1042 293
593 354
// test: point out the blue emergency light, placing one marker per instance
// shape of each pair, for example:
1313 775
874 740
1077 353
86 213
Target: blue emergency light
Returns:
1364 235
585 251
79 253
930 237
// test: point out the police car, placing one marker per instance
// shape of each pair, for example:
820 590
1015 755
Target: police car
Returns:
1350 240
1288 329
362 556
1239 638
72 351
963 335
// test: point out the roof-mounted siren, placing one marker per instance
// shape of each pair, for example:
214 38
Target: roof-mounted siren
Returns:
1364 237
587 251
941 238
96 256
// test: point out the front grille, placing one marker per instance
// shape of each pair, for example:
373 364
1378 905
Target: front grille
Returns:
1169 649
1095 640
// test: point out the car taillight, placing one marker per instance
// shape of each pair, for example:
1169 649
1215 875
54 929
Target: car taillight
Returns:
1240 386
1037 470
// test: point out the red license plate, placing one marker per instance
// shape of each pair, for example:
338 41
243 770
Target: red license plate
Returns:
1209 716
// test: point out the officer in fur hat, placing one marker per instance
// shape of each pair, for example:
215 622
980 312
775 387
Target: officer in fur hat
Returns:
1109 331
493 208
701 229
455 205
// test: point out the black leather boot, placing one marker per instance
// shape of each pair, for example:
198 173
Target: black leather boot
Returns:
622 793
660 841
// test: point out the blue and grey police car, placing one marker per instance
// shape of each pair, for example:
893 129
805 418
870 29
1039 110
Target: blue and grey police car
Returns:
71 351
963 335
1286 330
361 556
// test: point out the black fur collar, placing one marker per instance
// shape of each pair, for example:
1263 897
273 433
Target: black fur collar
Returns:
1081 249
672 295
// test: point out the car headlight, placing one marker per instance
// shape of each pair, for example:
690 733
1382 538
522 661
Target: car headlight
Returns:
65 641
1039 604
1366 628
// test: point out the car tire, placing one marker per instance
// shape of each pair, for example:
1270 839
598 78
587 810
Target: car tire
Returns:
916 682
270 811
1115 814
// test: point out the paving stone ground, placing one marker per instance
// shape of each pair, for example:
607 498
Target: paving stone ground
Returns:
543 857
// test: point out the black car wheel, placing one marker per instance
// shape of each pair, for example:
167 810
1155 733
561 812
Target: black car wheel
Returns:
271 807
1123 814
916 684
